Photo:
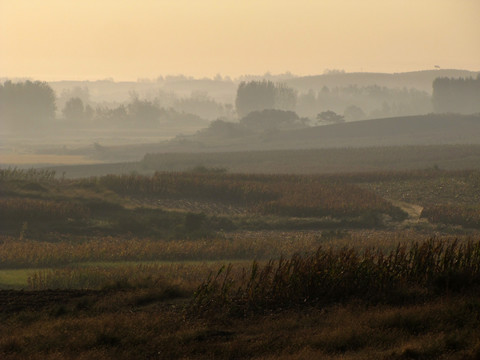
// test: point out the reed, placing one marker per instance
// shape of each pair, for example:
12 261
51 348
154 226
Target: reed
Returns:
334 275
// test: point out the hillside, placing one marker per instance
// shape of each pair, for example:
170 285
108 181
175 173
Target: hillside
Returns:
412 130
310 161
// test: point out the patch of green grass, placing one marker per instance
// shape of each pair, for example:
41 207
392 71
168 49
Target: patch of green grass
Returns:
16 278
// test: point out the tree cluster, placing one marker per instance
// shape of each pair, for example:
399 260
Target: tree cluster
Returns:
26 105
358 103
257 122
460 95
261 95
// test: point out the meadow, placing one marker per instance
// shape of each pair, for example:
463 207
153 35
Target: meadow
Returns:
333 266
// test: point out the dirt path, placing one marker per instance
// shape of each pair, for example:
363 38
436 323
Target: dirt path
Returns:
413 210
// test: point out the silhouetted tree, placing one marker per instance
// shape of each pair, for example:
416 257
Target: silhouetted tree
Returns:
254 96
74 110
82 93
201 104
143 112
224 129
272 119
460 95
26 105
330 116
117 116
353 113
285 98
261 95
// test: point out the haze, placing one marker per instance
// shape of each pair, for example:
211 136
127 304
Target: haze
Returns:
126 40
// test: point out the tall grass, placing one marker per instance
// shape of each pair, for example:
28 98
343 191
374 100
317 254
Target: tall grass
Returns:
290 195
467 216
181 276
36 254
19 210
40 175
332 275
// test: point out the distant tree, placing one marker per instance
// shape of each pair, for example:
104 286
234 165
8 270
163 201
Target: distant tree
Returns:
254 96
143 112
307 104
272 119
353 113
117 116
74 110
330 116
82 93
224 129
285 97
26 106
89 113
200 103
261 95
460 95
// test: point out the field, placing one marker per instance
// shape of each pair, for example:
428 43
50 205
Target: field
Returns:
307 161
210 264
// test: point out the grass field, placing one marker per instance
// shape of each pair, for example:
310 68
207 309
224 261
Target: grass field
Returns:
19 278
43 159
309 161
213 265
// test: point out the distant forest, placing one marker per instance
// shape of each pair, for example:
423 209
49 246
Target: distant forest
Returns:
34 105
456 95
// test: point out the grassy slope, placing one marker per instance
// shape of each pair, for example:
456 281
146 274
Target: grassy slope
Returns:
308 161
150 322
126 325
433 129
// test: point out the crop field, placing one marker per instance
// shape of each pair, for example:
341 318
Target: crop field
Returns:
216 265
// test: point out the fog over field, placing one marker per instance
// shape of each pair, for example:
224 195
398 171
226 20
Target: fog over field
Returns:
108 121
159 73
220 179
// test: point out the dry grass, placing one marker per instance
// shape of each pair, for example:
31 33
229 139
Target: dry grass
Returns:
119 328
467 216
242 245
418 271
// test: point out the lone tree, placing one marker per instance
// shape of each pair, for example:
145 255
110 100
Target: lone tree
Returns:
330 116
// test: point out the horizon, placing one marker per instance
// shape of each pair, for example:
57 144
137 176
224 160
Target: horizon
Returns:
224 77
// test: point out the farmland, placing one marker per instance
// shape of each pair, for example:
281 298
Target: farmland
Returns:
211 264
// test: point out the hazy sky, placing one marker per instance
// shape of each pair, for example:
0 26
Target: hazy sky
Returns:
130 39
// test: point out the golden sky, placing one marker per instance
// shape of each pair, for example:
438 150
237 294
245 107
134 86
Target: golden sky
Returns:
130 39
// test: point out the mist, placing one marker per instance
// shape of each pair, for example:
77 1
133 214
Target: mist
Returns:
109 121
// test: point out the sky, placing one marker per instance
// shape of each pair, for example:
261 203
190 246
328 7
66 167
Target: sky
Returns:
131 39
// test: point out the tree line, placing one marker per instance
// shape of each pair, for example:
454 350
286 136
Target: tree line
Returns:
31 105
26 105
460 95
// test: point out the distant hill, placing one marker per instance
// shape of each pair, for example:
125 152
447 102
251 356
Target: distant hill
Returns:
450 141
421 80
432 129
224 90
